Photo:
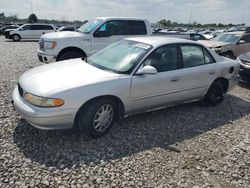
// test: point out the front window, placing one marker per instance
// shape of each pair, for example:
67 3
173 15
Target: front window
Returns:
120 57
228 38
90 26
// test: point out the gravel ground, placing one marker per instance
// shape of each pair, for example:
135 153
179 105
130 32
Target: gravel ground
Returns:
183 146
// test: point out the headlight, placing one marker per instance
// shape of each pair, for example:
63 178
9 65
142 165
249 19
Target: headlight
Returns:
217 49
43 101
50 44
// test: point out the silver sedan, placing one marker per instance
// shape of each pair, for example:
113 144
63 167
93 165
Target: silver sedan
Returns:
131 75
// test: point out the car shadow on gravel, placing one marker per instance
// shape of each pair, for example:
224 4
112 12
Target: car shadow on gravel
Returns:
139 133
31 40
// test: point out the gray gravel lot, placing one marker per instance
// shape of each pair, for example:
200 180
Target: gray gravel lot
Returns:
183 146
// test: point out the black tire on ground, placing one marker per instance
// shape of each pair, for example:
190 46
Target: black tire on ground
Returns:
97 119
70 55
16 37
214 94
228 55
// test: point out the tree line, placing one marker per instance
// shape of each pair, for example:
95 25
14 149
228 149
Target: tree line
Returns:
169 23
32 18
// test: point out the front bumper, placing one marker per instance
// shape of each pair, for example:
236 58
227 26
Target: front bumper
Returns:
43 118
244 73
45 58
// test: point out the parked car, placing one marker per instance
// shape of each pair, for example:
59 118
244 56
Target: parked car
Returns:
230 44
90 38
244 61
30 31
186 35
131 75
66 28
3 29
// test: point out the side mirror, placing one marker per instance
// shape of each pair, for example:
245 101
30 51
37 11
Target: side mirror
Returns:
21 29
101 34
146 70
242 42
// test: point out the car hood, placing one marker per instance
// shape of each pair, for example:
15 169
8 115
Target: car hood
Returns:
61 75
63 35
212 43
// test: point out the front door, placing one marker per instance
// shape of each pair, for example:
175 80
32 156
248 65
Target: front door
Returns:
241 48
162 88
108 33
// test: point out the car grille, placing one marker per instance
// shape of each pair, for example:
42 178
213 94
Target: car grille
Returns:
41 44
20 90
245 62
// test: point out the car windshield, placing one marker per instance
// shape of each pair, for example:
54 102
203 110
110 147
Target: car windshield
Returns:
228 38
120 57
90 26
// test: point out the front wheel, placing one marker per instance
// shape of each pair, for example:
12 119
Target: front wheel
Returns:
214 95
97 119
16 38
70 55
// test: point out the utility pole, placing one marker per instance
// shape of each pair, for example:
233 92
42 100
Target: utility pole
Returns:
190 18
31 7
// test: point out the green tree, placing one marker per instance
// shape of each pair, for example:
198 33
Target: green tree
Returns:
32 18
163 22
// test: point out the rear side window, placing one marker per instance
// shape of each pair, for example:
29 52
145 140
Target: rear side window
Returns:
41 27
136 28
194 55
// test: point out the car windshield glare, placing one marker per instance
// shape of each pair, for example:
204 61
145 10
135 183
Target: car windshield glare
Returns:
120 57
90 26
228 38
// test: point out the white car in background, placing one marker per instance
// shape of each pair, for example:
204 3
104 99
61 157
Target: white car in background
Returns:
132 75
30 31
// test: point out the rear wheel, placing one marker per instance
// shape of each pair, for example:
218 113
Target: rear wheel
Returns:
214 94
70 55
16 38
97 119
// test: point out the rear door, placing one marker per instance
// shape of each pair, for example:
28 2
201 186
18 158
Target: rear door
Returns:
198 72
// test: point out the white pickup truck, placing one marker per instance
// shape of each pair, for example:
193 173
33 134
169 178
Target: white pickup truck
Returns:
90 38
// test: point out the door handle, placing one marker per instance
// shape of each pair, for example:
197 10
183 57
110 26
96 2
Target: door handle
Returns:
212 72
174 79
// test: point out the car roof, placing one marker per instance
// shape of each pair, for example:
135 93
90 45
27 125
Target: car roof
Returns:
159 40
120 18
234 33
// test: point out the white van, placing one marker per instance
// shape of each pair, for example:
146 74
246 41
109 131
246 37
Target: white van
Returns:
30 31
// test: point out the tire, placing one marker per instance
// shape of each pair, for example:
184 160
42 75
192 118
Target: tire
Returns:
97 119
214 95
228 55
16 37
70 55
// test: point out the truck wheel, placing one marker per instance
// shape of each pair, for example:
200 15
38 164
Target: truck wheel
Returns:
16 38
214 94
98 118
70 55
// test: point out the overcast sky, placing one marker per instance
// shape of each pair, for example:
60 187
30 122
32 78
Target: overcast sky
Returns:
203 11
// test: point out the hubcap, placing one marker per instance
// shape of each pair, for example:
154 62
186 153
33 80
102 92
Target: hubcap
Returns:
16 37
103 118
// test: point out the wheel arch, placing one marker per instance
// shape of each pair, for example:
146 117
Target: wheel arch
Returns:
118 102
68 49
224 82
